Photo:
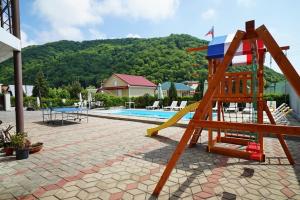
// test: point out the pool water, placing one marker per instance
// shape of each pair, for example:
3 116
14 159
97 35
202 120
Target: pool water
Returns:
150 113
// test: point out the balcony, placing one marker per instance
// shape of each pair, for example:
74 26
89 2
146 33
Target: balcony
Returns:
8 42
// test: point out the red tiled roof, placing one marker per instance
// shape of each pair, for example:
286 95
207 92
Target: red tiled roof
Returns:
136 80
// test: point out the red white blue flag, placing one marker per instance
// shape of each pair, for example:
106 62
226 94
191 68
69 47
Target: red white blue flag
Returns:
211 32
218 47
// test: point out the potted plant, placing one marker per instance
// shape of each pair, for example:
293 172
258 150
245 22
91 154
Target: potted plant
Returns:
8 149
21 144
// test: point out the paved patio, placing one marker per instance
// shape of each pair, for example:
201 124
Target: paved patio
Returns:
112 159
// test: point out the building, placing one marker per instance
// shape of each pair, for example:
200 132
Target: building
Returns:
182 89
123 85
284 87
10 46
193 85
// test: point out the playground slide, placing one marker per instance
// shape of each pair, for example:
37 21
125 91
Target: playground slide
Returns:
173 120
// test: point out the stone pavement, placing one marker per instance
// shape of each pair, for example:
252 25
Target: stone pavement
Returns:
112 159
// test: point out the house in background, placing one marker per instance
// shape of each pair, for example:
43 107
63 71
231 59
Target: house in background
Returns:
193 85
27 90
124 85
182 89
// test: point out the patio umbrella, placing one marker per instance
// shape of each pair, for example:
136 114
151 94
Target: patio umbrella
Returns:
160 94
80 97
38 102
205 87
89 97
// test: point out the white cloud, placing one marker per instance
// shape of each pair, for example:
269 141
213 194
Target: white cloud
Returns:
78 19
131 35
153 10
25 41
246 3
209 14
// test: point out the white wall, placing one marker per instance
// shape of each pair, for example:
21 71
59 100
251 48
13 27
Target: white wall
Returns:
294 100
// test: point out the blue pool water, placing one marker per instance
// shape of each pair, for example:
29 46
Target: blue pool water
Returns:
150 113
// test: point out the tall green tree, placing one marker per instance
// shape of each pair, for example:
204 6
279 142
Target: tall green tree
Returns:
40 88
172 92
74 89
199 90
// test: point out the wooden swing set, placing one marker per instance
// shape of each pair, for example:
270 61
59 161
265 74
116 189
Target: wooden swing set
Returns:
239 87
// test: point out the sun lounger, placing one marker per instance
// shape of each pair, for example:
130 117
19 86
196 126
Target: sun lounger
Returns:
215 109
249 108
172 106
154 106
271 105
233 107
181 106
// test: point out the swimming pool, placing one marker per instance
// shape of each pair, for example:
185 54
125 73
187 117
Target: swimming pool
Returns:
149 113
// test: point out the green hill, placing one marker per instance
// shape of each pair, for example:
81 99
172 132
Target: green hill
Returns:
158 59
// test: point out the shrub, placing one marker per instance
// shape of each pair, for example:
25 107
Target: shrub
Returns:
74 89
58 93
109 100
143 101
279 98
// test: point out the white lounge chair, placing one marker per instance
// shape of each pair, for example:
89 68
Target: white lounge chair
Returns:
233 107
172 106
154 106
271 105
249 108
181 106
215 109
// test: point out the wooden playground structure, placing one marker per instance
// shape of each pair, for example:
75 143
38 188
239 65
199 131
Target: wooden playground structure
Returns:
239 87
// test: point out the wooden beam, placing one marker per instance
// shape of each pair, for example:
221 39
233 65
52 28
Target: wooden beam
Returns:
202 48
233 140
233 153
201 111
280 137
281 60
263 128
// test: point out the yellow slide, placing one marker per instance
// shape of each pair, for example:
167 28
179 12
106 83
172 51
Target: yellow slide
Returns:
173 120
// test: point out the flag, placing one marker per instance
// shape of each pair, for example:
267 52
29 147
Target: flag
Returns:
210 32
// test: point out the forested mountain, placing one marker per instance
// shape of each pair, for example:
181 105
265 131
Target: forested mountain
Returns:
90 62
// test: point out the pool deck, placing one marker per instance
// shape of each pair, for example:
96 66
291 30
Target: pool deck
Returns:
112 159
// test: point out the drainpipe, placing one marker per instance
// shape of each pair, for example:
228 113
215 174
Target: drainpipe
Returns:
17 68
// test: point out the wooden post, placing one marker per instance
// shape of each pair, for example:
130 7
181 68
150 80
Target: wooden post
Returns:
260 96
281 60
18 68
279 136
210 132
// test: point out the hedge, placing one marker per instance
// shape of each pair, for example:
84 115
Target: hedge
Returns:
140 102
46 102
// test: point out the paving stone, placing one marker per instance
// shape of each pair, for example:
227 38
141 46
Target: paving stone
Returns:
114 160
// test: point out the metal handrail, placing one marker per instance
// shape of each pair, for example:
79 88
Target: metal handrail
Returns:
6 15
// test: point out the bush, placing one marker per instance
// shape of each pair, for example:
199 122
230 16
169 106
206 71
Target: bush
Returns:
110 101
58 93
74 89
46 102
279 98
143 101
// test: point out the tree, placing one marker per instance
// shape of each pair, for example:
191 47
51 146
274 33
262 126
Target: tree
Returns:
199 90
172 92
74 89
40 88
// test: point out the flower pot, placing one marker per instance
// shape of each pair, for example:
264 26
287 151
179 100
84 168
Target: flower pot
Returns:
22 154
35 147
9 151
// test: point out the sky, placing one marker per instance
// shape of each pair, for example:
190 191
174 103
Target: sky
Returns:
45 21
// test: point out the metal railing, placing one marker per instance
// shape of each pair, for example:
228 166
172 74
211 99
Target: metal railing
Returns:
6 15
